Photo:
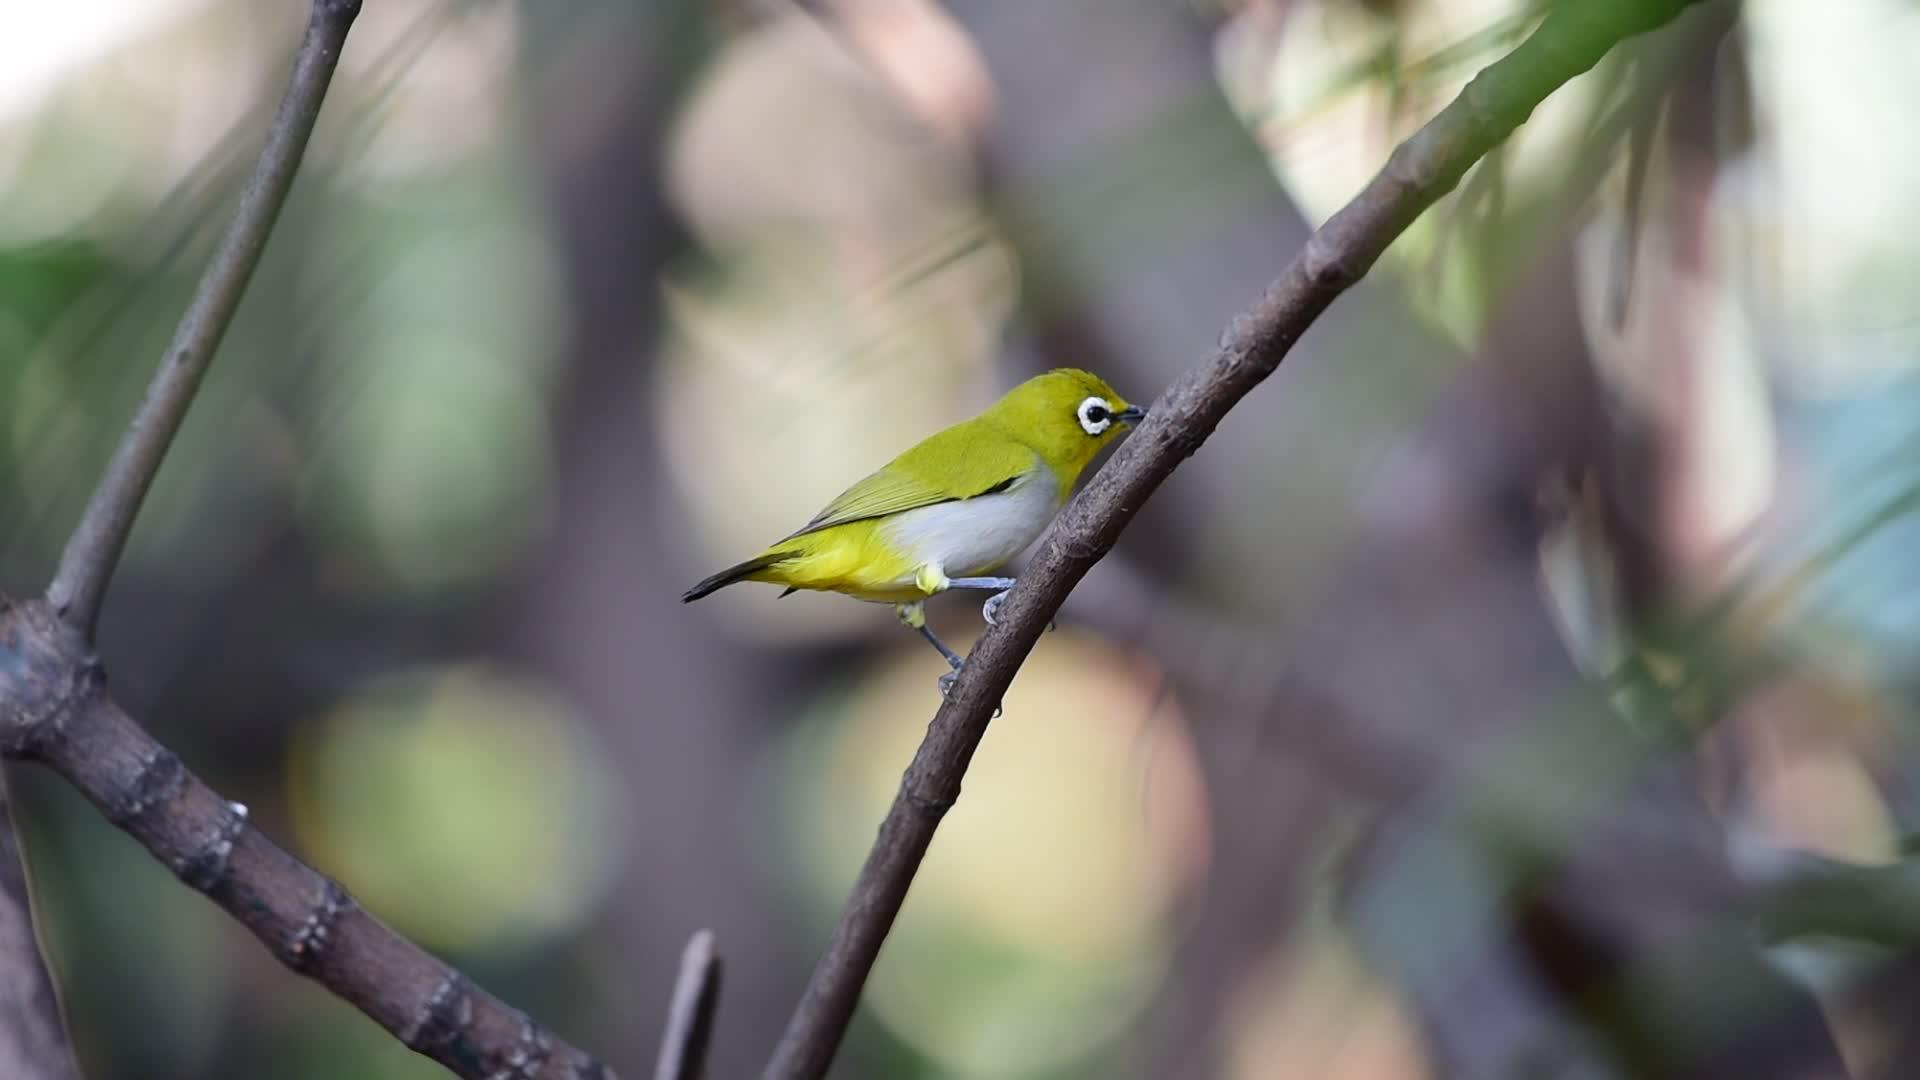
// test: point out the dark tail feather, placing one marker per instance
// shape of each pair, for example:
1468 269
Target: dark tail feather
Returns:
732 574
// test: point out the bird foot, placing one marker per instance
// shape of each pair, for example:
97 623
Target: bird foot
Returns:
946 686
990 611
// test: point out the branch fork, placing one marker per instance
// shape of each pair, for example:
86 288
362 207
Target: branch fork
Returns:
54 708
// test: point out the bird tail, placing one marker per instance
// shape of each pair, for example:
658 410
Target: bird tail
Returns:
731 574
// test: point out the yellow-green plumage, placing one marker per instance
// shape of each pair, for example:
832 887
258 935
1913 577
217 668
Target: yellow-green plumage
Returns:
962 502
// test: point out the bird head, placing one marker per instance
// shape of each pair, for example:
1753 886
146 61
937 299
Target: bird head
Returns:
1066 416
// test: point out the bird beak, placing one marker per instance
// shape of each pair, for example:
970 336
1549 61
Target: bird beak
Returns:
1132 414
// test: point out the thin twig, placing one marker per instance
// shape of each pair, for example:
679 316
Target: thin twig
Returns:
1572 38
87 564
54 710
696 997
33 1034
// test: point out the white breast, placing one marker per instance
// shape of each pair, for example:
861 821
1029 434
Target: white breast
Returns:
973 536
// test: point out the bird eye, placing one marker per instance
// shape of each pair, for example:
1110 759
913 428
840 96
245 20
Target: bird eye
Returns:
1096 416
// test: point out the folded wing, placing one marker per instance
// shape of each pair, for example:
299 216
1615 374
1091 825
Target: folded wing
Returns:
958 463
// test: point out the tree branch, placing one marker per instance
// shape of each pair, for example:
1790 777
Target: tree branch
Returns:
696 997
1572 38
54 710
87 564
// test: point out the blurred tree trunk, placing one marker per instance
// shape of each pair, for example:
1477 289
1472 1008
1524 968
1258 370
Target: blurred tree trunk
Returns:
599 613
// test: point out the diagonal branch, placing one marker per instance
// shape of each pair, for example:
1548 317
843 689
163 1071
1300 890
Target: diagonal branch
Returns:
1572 38
54 710
696 997
87 564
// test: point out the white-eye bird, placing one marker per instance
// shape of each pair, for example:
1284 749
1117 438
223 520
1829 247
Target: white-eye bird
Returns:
954 508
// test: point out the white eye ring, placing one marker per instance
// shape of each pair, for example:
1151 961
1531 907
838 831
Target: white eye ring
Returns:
1096 416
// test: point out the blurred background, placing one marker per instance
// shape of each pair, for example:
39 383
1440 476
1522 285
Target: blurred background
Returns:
1453 712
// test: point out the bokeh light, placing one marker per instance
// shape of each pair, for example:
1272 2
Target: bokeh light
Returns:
573 304
462 804
1041 921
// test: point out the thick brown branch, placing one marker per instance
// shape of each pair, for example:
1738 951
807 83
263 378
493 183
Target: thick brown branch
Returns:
696 997
96 544
87 564
54 709
1572 38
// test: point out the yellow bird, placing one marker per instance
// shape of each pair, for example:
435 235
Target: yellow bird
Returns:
956 507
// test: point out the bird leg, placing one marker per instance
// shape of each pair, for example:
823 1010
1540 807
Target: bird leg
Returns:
991 608
999 585
915 616
953 660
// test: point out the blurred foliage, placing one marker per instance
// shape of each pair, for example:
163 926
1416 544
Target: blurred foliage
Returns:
428 465
384 439
1330 90
1046 905
1316 1010
462 806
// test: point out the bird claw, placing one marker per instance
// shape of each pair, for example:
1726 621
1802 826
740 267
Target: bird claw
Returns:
989 609
946 686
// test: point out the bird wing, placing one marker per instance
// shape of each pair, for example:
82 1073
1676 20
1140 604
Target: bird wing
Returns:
926 476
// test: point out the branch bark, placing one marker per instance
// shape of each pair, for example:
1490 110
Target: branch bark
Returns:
1572 38
54 709
696 997
36 1034
87 563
